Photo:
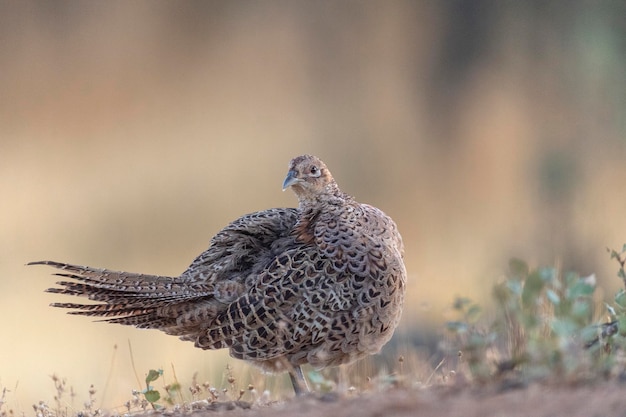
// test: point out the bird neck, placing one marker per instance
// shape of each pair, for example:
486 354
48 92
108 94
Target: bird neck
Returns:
330 194
319 207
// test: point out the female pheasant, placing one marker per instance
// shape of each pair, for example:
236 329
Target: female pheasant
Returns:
322 284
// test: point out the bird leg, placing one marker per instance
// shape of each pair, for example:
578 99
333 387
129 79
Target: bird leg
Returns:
300 386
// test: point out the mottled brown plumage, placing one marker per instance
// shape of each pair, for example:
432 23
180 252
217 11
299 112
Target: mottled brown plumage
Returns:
321 284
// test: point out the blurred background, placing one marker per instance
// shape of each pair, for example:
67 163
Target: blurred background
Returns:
131 132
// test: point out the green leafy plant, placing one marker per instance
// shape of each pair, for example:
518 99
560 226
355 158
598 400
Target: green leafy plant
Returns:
545 326
544 315
150 394
473 340
612 334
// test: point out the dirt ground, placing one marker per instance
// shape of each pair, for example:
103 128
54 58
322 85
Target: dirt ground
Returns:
590 400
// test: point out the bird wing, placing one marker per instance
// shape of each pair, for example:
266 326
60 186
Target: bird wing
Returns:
178 305
241 248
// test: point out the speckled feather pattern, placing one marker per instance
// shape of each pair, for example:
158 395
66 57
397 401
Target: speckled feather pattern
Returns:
321 284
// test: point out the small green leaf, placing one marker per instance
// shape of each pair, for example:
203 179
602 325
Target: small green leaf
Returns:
532 289
152 396
547 274
515 286
173 387
564 327
620 298
518 267
622 326
610 309
580 289
571 278
581 310
316 377
153 376
461 302
553 297
501 293
457 326
477 341
473 313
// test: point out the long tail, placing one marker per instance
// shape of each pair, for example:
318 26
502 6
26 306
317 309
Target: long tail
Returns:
146 301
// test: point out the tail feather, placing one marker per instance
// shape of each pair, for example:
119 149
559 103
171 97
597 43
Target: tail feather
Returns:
121 297
145 301
98 274
145 321
119 280
99 310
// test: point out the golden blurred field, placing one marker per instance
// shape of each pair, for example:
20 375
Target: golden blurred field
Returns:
131 132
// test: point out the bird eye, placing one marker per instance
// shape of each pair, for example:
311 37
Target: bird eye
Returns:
315 171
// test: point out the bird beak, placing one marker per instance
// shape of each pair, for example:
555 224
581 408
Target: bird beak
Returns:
290 180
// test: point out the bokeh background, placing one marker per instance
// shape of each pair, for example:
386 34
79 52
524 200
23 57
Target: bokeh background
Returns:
131 132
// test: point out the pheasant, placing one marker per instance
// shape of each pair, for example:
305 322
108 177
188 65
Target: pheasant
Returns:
322 284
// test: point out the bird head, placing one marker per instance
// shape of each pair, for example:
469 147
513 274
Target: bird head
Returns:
309 177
